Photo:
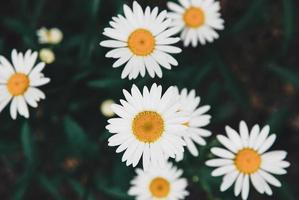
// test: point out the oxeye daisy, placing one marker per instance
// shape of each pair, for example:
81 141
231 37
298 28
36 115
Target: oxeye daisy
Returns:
197 20
105 108
49 36
46 55
159 183
197 119
147 126
18 82
245 160
142 40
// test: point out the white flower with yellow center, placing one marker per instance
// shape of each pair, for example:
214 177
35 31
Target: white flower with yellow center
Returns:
159 183
18 82
246 160
142 40
105 108
47 55
148 126
197 119
198 20
49 36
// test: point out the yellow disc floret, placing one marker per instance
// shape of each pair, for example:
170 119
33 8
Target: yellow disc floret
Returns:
248 161
18 84
148 126
194 17
141 42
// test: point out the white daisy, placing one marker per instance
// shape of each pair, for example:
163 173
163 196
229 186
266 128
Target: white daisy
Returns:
142 40
18 82
197 119
158 184
105 108
246 160
49 36
147 126
46 55
197 19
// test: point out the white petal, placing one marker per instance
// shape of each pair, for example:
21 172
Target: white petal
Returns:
261 138
113 44
244 133
245 188
218 162
257 182
227 143
223 170
22 106
228 180
13 108
175 7
269 178
222 153
267 144
238 185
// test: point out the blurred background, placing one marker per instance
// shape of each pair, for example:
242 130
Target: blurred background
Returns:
250 73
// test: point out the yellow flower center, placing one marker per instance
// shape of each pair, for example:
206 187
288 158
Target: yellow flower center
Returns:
18 84
142 42
148 126
248 161
186 124
194 17
159 187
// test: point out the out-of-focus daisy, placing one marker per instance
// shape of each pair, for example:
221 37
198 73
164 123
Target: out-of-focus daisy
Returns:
159 183
47 55
147 126
197 119
106 108
245 160
142 40
197 19
18 82
49 36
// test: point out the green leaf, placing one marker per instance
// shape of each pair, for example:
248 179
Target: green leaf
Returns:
105 83
77 187
78 140
252 14
76 136
278 119
28 144
115 193
49 186
201 73
23 184
286 74
286 192
288 22
232 84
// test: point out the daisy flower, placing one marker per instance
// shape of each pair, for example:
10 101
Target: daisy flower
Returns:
46 55
159 183
197 20
105 108
49 36
18 82
197 119
245 160
147 126
142 40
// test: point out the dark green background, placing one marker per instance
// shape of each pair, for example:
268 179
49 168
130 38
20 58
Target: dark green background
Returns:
250 73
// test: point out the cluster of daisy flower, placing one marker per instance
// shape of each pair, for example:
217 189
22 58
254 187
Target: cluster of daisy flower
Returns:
153 125
46 36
